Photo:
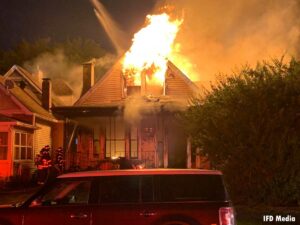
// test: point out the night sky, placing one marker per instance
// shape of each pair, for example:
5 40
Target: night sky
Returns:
62 19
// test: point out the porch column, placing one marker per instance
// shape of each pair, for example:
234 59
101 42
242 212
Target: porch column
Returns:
198 159
127 144
166 153
189 153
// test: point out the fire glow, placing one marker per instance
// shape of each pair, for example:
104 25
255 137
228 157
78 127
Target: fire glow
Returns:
151 48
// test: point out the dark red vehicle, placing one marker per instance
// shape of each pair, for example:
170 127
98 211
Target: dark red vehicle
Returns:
127 197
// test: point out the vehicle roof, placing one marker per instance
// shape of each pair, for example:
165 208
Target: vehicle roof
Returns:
100 173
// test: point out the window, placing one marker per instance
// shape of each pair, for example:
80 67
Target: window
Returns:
96 144
147 189
133 142
3 145
118 189
191 188
23 145
115 137
65 193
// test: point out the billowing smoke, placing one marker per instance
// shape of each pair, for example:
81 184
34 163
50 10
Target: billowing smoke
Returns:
106 61
59 68
219 35
56 66
136 107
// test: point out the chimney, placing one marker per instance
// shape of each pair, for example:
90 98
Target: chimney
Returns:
46 93
88 76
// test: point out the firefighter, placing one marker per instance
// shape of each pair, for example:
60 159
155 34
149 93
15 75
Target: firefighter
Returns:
43 162
60 162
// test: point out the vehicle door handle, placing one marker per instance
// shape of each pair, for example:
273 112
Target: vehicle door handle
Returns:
147 213
79 216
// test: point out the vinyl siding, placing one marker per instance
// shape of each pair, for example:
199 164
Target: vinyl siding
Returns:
176 86
42 137
107 90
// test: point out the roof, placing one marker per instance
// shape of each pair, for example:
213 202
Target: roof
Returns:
35 89
61 88
26 75
12 121
109 89
4 118
26 100
178 83
102 173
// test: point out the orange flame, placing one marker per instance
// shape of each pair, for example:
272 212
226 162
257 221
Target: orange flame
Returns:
150 50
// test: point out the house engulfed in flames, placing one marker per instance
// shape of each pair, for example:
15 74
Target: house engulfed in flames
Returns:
114 118
130 112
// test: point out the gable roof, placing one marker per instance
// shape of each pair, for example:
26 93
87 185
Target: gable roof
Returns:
25 99
178 84
109 89
35 88
61 88
25 75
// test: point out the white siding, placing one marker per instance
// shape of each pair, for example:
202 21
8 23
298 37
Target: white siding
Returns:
42 137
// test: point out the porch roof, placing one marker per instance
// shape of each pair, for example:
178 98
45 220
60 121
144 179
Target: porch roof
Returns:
14 122
87 111
146 105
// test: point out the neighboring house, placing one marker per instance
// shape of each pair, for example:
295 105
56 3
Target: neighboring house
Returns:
62 93
26 122
114 118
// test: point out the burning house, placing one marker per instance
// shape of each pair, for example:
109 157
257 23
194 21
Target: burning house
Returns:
130 111
114 118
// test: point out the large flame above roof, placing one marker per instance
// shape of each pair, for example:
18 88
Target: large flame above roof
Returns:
151 48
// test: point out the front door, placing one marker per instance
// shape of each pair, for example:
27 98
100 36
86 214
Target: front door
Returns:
149 142
64 203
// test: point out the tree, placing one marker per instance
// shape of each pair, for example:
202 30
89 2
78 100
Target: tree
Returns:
249 125
76 50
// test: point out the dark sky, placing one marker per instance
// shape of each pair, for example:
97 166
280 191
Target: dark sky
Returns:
61 19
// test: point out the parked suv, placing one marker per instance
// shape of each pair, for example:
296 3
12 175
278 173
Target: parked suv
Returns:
132 197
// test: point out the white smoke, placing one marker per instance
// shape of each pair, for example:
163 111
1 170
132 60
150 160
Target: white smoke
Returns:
57 66
219 35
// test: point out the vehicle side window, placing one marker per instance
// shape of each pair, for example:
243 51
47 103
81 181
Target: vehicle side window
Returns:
64 193
191 188
119 189
147 189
